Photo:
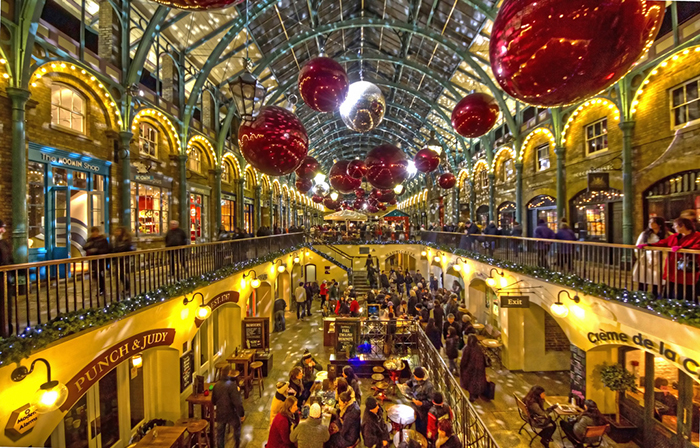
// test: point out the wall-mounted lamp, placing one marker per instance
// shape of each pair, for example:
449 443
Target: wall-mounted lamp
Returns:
281 268
307 253
457 267
437 257
558 308
296 258
203 311
51 395
255 283
491 280
424 254
137 360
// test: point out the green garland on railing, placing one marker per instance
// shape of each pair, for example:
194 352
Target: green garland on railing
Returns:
327 257
16 348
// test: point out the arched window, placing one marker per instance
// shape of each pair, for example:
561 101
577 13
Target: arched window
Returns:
194 161
226 173
67 108
542 157
483 179
506 170
148 140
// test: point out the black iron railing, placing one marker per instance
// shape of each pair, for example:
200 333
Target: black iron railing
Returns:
35 293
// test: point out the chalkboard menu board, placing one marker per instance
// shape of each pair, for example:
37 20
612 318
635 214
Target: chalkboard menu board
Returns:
256 333
346 336
578 373
186 370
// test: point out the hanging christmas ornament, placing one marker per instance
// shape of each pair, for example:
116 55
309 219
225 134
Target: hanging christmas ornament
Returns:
317 199
360 193
323 84
357 169
199 5
359 204
304 185
474 115
393 201
382 206
447 181
339 178
386 195
552 52
322 189
386 167
364 107
275 143
331 204
426 160
372 209
308 168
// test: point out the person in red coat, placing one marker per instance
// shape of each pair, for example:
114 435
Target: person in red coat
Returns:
354 307
282 424
323 293
681 270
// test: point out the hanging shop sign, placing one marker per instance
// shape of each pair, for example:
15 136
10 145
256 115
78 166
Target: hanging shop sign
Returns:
608 167
110 358
186 370
515 301
400 252
198 189
22 420
598 182
228 197
219 300
149 177
56 157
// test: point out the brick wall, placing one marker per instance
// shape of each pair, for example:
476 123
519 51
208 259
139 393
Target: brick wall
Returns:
554 337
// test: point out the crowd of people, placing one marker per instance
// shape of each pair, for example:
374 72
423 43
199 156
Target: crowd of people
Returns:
383 230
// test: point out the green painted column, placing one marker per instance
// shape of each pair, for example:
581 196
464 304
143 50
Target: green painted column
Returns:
271 209
19 99
561 182
125 160
472 202
184 207
217 202
240 198
492 197
627 128
258 208
519 192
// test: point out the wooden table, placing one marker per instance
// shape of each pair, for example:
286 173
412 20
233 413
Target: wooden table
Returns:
564 401
168 437
401 416
244 358
207 409
493 347
478 327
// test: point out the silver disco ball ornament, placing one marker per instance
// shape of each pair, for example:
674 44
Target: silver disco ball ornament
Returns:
364 107
322 189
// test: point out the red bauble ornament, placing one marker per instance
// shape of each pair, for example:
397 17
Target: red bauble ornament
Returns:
426 160
382 207
360 193
317 199
357 169
275 143
331 204
386 167
340 180
447 181
372 209
386 195
393 201
474 115
323 84
304 185
198 5
358 204
308 168
551 52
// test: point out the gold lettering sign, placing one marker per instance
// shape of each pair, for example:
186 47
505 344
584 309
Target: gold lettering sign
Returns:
22 420
112 357
219 300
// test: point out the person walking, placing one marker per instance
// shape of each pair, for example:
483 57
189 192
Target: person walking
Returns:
420 391
434 334
490 244
122 243
384 281
565 251
472 369
97 244
300 296
375 433
226 399
279 308
647 269
282 424
539 415
438 412
452 349
545 233
309 297
323 292
311 433
176 237
433 283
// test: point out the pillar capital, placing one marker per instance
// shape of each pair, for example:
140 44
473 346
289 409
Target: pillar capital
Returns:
627 126
18 96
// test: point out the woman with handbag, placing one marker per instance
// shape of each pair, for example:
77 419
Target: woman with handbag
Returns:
539 415
472 369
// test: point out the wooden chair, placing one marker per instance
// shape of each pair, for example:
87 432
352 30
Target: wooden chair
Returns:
199 436
256 376
524 414
218 368
594 436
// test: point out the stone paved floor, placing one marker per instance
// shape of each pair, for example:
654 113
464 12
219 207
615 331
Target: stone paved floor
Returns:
500 415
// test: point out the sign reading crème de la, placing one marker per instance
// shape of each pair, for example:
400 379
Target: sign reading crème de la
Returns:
113 356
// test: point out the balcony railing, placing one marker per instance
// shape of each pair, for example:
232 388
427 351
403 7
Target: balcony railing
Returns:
659 272
36 293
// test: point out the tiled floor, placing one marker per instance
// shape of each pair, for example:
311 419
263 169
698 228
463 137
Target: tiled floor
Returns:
500 415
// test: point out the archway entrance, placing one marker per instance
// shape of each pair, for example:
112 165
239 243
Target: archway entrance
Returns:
283 288
264 299
481 303
403 261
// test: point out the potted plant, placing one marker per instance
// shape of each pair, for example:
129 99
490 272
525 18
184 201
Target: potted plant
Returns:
619 380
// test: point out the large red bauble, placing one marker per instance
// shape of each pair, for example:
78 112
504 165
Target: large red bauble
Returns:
358 204
198 5
386 195
360 193
474 115
323 84
372 209
447 181
275 143
340 180
393 201
308 168
382 207
373 201
357 169
331 204
552 52
426 160
386 167
304 185
317 199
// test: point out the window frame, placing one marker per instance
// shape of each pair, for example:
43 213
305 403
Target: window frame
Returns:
149 127
226 173
503 177
55 121
538 166
162 221
483 179
683 85
595 137
198 159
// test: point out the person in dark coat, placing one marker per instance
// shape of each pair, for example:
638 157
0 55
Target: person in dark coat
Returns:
446 436
433 283
539 415
375 433
451 322
438 313
434 334
543 232
123 243
176 237
296 384
282 424
279 307
565 250
384 280
308 364
472 369
420 390
452 349
350 425
97 244
229 409
353 381
438 412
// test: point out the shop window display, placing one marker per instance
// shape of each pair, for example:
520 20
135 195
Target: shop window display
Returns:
35 205
228 215
149 209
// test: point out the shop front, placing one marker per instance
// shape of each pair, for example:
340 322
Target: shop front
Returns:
248 215
67 195
506 215
199 209
151 195
597 215
228 212
541 207
482 216
670 196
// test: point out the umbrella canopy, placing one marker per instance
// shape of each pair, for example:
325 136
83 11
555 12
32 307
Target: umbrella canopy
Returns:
346 215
